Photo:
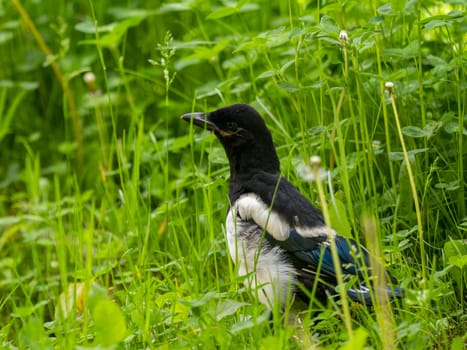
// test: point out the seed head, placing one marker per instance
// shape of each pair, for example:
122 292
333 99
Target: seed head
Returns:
315 161
343 36
89 78
389 86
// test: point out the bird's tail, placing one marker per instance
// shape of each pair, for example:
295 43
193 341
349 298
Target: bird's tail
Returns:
363 294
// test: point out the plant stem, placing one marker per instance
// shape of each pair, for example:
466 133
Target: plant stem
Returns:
60 77
335 255
412 186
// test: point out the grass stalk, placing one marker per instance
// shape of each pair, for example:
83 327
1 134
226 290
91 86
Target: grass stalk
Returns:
60 77
384 316
315 162
413 186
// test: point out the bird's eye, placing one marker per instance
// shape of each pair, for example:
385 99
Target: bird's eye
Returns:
231 125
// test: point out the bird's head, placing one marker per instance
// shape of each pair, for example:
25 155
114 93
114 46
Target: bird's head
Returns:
243 133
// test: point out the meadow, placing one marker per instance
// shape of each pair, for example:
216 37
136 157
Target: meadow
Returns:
112 208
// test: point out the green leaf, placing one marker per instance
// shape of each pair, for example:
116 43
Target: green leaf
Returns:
223 12
413 131
109 323
231 10
33 335
457 343
441 20
26 85
451 127
89 27
396 156
249 323
174 7
266 74
358 341
289 87
435 23
113 38
200 302
456 252
5 36
376 20
227 308
328 25
339 219
448 186
407 52
386 10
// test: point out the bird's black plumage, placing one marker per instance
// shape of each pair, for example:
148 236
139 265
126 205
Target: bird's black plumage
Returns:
296 245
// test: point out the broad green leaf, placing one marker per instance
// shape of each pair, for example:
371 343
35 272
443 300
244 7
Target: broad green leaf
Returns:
249 323
339 219
267 74
441 20
457 343
89 27
109 323
26 85
358 341
208 53
397 156
223 12
376 20
289 87
231 10
453 127
33 335
5 36
328 25
112 39
413 131
450 186
126 12
407 52
174 7
385 10
203 300
227 308
456 251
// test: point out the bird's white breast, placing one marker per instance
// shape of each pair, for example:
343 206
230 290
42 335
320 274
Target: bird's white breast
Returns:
269 274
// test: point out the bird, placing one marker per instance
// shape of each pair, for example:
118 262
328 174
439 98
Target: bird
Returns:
277 239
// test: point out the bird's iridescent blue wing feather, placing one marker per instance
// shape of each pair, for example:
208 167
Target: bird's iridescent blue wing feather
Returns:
316 251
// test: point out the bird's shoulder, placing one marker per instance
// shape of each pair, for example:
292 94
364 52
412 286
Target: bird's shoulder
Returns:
280 196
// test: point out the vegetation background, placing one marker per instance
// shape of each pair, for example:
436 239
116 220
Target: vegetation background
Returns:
111 207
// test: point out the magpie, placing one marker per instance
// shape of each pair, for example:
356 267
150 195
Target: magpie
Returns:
276 237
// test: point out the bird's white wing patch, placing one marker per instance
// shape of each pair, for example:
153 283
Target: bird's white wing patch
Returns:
318 231
250 207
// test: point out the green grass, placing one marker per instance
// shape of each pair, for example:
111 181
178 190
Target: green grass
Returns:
112 208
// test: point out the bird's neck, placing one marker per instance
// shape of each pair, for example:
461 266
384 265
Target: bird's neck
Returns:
248 159
246 162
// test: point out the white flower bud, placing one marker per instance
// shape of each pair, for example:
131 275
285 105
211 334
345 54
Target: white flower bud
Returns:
389 85
343 36
89 78
315 160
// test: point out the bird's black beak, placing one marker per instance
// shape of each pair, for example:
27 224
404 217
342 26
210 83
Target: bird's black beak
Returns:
200 119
